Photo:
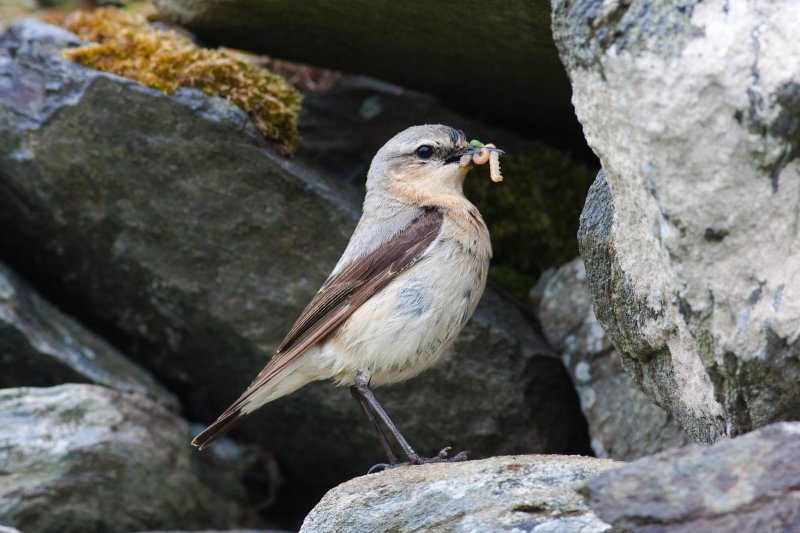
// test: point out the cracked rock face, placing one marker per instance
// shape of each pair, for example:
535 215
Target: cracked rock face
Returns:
690 238
624 424
511 493
699 488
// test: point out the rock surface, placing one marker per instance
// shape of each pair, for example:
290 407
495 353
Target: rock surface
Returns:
86 458
499 62
512 493
751 483
178 231
689 240
218 531
40 347
624 424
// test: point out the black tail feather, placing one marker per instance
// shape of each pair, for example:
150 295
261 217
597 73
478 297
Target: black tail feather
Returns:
218 429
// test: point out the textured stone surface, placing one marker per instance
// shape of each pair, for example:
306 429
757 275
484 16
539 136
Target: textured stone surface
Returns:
86 458
218 531
624 424
689 241
512 493
751 483
498 62
168 223
40 346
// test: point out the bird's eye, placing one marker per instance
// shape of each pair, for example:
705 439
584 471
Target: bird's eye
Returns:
424 152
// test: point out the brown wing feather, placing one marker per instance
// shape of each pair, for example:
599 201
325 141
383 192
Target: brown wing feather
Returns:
339 297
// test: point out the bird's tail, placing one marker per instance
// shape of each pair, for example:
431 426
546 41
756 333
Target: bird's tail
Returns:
226 422
260 392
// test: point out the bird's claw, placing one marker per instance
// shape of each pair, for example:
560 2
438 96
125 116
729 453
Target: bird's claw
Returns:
441 457
381 466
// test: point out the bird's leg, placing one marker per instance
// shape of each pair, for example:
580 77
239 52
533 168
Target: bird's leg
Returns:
364 390
378 430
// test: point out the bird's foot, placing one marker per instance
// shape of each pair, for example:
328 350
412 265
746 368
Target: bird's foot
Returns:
414 459
441 457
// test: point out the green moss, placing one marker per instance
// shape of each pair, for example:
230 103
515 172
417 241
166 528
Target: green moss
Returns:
533 214
124 44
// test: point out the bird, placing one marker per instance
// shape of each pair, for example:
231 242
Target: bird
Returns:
408 281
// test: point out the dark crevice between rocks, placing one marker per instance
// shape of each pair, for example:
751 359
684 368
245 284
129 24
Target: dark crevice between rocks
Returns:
731 395
551 380
531 508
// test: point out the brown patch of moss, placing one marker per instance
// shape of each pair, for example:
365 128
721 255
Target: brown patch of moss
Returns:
533 214
124 44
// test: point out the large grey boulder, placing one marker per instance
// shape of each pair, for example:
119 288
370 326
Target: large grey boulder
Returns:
751 483
513 493
40 347
690 237
86 458
171 223
623 423
498 61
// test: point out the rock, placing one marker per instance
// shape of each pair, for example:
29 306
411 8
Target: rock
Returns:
514 78
123 42
688 239
219 531
536 293
623 423
167 223
745 484
40 346
513 493
86 458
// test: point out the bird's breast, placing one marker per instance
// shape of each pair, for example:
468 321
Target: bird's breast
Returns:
407 326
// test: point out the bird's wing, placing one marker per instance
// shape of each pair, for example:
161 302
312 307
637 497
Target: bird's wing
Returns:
343 293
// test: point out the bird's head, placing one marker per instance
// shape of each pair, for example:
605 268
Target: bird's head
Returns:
421 164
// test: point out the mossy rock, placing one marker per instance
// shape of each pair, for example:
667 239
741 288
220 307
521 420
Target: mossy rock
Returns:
123 43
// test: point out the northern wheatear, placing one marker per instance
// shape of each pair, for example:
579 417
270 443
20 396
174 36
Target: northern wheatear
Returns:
407 283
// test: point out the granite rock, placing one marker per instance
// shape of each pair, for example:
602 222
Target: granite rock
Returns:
512 493
688 238
87 458
750 483
40 347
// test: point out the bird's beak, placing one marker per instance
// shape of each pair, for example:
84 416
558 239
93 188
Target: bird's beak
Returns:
470 151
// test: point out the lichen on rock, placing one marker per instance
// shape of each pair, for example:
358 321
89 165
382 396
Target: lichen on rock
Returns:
122 43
